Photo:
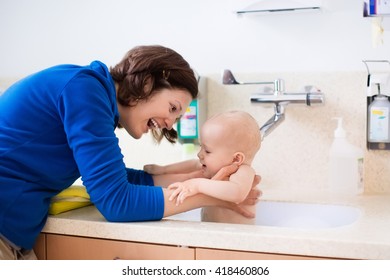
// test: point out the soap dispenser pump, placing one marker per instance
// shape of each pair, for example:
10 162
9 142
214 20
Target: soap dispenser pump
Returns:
339 132
345 164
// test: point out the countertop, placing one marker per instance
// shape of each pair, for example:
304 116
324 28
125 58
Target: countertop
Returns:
366 238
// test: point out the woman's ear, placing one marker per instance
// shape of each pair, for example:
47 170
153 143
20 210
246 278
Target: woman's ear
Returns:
238 158
148 84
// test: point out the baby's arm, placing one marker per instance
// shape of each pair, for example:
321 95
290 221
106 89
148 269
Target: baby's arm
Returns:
186 166
234 190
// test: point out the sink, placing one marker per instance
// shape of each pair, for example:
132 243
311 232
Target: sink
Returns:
293 215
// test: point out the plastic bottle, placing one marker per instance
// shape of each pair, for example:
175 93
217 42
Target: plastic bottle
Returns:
378 120
188 124
345 164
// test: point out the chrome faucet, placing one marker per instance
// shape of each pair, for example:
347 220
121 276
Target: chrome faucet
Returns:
273 122
278 97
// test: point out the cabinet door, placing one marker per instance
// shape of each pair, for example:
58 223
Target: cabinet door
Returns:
40 247
213 254
62 247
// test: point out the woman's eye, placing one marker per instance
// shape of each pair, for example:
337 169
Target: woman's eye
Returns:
173 108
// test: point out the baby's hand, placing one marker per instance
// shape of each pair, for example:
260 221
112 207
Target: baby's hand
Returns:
181 192
154 169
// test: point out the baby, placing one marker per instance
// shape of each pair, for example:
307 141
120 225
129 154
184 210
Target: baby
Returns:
228 138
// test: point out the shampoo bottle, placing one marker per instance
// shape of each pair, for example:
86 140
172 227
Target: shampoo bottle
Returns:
188 124
378 120
345 164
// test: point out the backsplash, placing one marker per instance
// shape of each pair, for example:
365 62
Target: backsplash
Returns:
295 154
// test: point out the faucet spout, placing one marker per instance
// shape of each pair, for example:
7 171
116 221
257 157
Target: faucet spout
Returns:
279 98
273 122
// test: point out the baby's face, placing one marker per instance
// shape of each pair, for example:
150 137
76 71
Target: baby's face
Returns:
216 151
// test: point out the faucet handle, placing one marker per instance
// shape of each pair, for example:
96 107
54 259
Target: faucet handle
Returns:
229 79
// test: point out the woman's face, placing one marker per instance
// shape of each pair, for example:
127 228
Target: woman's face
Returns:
160 111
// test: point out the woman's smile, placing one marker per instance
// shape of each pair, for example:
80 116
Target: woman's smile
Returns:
152 124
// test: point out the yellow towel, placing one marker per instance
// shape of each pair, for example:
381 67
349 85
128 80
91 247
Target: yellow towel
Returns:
71 198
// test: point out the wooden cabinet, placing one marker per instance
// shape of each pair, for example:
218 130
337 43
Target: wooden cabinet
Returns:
40 247
214 254
63 247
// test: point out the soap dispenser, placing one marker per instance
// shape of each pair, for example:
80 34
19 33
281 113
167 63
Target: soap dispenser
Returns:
378 120
345 164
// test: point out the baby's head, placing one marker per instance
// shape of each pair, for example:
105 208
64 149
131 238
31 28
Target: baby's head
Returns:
229 137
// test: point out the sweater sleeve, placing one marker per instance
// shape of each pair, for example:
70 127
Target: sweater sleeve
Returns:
135 176
87 106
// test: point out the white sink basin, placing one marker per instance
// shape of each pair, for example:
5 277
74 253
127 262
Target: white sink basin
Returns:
294 215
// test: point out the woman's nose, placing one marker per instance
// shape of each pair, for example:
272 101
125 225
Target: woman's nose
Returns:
169 123
200 154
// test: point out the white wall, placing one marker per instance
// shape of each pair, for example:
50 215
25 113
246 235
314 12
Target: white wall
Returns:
36 34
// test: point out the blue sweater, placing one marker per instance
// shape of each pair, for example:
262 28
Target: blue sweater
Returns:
55 126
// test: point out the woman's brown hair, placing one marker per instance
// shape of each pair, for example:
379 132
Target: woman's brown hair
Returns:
157 66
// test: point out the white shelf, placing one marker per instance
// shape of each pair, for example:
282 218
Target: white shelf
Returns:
280 7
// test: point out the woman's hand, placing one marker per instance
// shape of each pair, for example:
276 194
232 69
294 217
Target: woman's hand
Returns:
225 172
254 194
252 197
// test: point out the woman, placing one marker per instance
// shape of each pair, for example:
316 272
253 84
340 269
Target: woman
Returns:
59 124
